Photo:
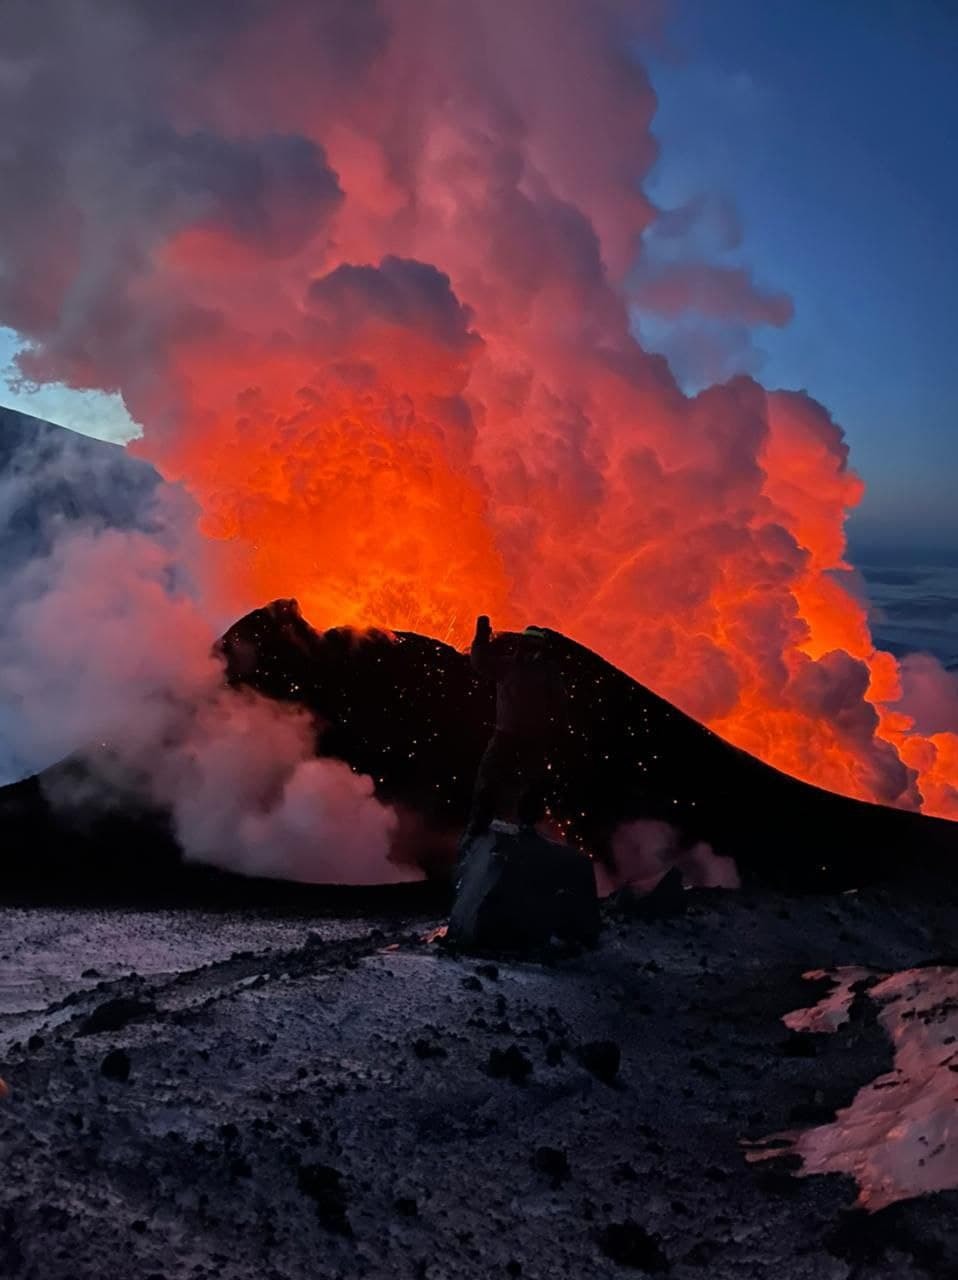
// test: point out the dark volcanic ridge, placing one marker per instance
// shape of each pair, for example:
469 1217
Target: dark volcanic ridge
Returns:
408 711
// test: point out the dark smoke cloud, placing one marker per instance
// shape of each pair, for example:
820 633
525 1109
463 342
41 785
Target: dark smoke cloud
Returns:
400 293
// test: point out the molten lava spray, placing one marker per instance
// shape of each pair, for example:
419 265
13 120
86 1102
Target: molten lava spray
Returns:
362 270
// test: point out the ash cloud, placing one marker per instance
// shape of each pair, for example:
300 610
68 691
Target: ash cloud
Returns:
364 273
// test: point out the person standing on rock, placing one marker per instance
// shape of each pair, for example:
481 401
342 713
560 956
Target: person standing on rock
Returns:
530 706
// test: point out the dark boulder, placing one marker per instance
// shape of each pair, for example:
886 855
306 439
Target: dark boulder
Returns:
603 1058
116 1065
509 1064
630 1245
667 899
518 889
114 1015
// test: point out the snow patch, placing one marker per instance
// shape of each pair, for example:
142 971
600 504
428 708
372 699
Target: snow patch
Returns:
899 1137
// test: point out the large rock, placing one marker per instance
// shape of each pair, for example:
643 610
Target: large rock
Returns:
517 889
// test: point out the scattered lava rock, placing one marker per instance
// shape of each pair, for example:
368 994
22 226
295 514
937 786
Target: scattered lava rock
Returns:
701 1254
324 1186
666 900
630 1245
472 983
602 1058
553 1164
427 1049
509 1064
114 1015
116 1065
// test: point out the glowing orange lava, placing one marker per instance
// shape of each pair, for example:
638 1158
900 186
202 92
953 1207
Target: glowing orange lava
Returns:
368 482
371 276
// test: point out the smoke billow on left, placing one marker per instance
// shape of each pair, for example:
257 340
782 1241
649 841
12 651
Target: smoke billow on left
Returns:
364 271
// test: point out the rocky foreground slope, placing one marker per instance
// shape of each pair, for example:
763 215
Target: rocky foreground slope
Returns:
274 1098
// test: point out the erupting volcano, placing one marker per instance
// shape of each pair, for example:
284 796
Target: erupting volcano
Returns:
367 274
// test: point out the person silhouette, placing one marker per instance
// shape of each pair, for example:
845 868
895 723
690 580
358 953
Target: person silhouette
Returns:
530 702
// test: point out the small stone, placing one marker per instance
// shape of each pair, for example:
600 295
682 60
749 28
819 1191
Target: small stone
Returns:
701 1254
630 1245
553 1164
602 1058
510 1064
116 1065
324 1186
113 1015
667 899
426 1049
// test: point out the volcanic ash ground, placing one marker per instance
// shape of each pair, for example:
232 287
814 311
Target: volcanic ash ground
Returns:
205 1095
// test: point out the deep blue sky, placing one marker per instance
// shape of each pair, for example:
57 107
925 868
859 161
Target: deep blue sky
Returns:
833 127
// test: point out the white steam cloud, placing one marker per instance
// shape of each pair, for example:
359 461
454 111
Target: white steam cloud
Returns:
105 652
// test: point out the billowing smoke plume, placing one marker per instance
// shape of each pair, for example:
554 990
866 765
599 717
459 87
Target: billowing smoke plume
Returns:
103 645
644 850
364 271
